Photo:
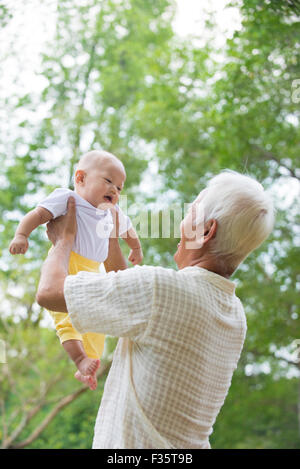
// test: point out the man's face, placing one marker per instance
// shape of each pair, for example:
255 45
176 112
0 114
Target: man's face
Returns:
191 230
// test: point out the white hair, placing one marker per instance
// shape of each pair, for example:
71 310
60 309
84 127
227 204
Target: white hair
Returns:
244 212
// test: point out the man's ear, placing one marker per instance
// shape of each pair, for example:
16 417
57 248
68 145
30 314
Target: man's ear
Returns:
210 229
79 176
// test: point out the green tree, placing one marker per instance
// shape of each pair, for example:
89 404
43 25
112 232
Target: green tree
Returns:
95 68
258 121
117 77
246 120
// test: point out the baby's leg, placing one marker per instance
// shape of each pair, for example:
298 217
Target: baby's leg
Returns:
86 366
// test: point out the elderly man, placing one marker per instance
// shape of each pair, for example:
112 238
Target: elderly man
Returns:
181 332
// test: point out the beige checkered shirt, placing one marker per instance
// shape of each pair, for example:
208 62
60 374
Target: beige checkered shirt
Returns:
181 335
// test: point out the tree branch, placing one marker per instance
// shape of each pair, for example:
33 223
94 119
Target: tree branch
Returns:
60 405
272 355
26 418
7 441
4 426
267 155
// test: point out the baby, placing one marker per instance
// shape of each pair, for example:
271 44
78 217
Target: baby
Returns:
99 179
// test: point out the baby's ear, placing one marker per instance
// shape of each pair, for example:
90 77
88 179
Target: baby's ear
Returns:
79 176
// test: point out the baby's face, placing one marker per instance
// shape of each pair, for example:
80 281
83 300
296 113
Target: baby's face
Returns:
102 184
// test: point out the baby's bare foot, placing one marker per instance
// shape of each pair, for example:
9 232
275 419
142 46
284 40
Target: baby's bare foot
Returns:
90 381
88 366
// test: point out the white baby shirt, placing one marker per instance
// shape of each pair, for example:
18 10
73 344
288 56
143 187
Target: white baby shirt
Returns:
93 225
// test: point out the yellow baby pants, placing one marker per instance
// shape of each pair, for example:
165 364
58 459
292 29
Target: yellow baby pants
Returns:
93 343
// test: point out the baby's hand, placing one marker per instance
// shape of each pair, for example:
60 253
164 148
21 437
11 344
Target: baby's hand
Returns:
19 245
135 256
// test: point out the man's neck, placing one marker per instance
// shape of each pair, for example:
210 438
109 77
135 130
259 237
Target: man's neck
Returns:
208 263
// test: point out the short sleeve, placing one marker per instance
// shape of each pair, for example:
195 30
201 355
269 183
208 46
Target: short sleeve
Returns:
117 303
56 202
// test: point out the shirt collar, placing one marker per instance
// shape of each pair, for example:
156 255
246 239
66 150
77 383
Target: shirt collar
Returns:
221 282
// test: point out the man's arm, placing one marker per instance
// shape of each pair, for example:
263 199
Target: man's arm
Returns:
50 292
118 303
115 259
61 232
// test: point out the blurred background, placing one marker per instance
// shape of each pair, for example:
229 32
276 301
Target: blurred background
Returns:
178 90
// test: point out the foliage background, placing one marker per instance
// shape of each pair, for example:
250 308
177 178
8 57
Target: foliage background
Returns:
176 110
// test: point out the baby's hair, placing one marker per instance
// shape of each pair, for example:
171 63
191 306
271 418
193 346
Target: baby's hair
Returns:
94 158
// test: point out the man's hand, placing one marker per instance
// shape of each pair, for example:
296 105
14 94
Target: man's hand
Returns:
115 260
64 227
61 232
115 216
